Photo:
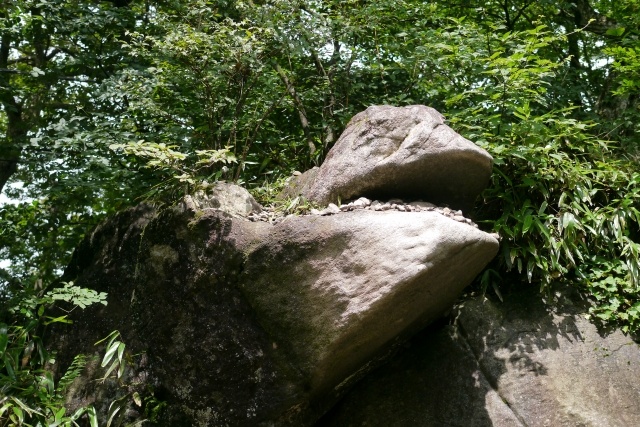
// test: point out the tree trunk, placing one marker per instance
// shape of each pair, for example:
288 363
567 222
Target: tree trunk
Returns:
11 144
586 16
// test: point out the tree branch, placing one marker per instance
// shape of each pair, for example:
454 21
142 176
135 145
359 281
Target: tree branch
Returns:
586 17
304 121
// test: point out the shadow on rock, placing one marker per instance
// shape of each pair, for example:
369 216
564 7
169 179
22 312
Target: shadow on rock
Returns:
521 362
435 381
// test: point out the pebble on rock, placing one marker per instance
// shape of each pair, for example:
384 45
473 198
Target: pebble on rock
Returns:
272 216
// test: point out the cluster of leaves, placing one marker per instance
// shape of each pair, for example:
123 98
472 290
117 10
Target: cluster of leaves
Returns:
115 361
30 395
563 199
178 167
54 56
568 216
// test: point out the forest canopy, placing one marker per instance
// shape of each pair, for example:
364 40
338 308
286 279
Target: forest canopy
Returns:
106 104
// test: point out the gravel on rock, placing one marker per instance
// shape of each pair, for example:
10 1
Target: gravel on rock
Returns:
272 215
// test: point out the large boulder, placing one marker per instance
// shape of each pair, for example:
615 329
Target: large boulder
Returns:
336 290
524 362
405 152
249 323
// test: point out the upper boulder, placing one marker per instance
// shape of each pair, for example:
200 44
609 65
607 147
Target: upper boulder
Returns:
407 152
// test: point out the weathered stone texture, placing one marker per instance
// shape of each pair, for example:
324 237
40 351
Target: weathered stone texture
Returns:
338 289
521 362
405 152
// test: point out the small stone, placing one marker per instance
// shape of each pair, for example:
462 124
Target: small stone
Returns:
297 173
459 218
358 204
446 211
315 212
401 208
423 204
385 207
364 201
396 201
344 208
331 209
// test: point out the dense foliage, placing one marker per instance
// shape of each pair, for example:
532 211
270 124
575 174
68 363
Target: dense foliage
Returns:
29 393
103 104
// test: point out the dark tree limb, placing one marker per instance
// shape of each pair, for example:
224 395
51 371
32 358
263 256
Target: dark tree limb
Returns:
302 113
586 17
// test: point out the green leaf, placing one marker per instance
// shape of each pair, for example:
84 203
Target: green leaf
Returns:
528 222
61 319
616 32
93 418
543 207
137 399
60 414
18 412
111 351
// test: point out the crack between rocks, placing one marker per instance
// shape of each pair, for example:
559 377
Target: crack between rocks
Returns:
485 374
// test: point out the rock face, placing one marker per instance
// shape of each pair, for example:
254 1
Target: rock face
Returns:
347 285
405 152
249 323
519 363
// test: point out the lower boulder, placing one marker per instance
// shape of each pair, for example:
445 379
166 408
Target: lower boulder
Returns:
523 362
248 323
